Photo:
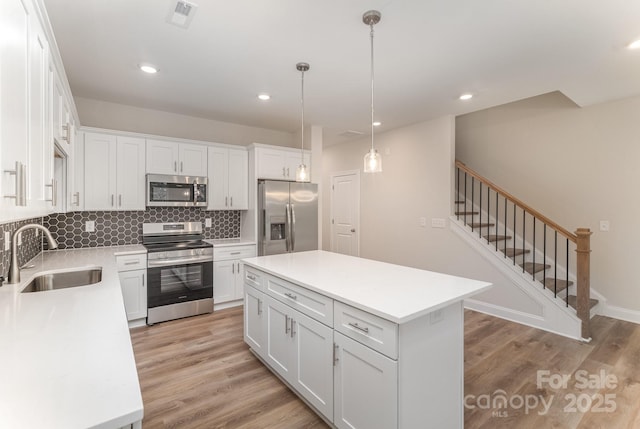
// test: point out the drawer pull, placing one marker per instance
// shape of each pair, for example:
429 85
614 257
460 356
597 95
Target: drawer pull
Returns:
259 306
132 263
286 324
293 324
250 277
234 253
290 295
359 328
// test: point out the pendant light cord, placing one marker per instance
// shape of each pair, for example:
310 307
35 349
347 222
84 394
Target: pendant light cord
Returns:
302 122
372 115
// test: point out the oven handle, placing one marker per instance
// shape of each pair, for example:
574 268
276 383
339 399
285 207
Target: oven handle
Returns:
184 261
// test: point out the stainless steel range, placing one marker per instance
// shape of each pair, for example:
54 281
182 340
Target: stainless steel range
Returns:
179 271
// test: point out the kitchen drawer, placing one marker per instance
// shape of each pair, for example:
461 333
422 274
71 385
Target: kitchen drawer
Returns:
366 328
132 262
314 305
234 252
253 277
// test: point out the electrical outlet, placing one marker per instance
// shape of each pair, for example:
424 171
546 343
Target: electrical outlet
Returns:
207 222
7 240
422 221
438 223
90 226
604 225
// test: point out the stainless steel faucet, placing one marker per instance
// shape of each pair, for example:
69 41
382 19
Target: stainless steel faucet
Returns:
14 268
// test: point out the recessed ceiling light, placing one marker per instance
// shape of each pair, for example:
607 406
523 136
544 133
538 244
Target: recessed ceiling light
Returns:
264 97
377 123
148 69
466 96
634 45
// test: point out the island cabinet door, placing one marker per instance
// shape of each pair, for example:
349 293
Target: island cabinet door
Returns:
314 364
281 348
255 326
365 387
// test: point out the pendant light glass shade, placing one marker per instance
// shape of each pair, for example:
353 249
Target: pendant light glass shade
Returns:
372 162
302 173
372 159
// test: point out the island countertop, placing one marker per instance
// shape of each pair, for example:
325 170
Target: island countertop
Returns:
393 292
66 359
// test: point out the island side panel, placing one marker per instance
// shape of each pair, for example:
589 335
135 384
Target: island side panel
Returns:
431 370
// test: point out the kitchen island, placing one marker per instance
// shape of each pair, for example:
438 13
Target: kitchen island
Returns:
366 344
66 359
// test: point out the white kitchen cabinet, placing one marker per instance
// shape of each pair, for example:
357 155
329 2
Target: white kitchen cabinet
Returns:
300 349
280 164
255 326
75 185
114 172
228 179
228 280
366 387
184 159
132 273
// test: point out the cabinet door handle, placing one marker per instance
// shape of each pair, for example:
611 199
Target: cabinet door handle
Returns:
112 196
259 306
335 354
231 199
238 267
360 328
290 295
143 283
233 268
286 324
288 172
226 201
181 166
175 166
120 200
283 172
293 324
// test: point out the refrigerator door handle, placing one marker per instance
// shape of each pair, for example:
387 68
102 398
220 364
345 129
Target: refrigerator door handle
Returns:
287 226
293 229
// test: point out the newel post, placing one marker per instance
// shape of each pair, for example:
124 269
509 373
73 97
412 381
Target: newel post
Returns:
583 305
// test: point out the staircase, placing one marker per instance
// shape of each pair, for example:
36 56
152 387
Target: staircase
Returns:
551 259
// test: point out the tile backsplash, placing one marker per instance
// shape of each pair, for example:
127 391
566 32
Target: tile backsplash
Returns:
116 228
31 244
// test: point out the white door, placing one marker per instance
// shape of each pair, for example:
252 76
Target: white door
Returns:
134 293
100 172
281 349
193 160
365 387
345 213
255 323
218 176
162 157
238 180
314 365
224 289
130 173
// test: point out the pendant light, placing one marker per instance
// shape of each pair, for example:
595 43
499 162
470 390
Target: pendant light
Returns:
372 160
302 173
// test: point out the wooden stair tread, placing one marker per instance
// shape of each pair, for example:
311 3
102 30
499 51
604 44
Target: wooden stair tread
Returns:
532 268
493 237
459 202
466 213
511 252
480 225
550 284
573 302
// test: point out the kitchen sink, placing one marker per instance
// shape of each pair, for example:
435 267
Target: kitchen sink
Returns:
64 279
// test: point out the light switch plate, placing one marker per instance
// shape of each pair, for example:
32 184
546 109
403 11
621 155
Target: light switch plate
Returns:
90 226
604 225
422 221
207 222
7 240
438 223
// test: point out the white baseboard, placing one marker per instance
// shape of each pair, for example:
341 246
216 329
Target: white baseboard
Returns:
224 305
137 323
620 313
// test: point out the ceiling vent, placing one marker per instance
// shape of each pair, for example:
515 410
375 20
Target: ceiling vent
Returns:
181 13
351 133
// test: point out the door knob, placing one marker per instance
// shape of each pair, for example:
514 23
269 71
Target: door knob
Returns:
353 230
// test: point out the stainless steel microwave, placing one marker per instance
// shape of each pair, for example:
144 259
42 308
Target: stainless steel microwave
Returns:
176 191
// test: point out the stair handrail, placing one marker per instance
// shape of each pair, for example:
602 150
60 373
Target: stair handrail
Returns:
581 238
573 237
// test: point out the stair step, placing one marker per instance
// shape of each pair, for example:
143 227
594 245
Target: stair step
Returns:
480 225
550 284
511 252
459 202
573 302
532 268
493 237
466 213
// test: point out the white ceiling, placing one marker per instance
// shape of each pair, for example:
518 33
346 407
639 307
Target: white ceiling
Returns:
428 52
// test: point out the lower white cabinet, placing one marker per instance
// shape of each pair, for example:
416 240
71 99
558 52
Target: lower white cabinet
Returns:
300 349
366 387
255 327
228 281
133 281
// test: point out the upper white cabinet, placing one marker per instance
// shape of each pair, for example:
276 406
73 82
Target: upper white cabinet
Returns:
280 164
228 179
184 159
114 172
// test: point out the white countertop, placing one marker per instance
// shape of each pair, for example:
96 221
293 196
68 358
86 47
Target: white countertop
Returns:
66 359
393 292
224 242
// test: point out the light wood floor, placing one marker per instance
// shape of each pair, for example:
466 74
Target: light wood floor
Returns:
198 373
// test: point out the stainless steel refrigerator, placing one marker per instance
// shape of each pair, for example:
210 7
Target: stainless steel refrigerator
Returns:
288 217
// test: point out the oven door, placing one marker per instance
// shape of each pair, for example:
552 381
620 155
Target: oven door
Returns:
171 284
